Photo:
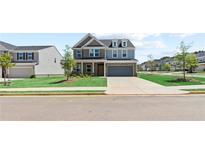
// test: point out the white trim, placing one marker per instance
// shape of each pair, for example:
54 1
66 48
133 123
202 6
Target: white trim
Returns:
128 48
116 41
86 65
87 35
124 40
93 48
94 52
88 42
121 61
116 52
92 41
90 60
82 40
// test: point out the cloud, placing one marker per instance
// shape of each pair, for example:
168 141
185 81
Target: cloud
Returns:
131 36
182 35
149 45
138 39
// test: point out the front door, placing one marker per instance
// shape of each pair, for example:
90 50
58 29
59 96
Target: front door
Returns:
100 69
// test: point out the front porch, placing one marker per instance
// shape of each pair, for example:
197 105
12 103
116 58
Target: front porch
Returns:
91 68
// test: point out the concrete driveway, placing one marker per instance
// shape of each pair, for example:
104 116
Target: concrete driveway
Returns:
134 85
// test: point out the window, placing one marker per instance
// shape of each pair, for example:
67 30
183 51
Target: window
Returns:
30 56
88 68
114 54
94 53
54 60
97 53
124 54
91 53
114 43
79 54
124 43
77 67
21 56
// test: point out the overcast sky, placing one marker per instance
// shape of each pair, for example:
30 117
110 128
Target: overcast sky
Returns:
157 44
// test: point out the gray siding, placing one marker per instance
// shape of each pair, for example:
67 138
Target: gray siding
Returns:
85 54
131 54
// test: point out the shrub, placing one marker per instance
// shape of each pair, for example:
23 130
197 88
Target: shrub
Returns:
33 76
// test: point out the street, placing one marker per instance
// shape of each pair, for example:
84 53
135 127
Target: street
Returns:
102 108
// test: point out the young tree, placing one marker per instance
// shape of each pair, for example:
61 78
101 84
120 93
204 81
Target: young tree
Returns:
151 63
68 63
167 67
181 57
6 63
191 62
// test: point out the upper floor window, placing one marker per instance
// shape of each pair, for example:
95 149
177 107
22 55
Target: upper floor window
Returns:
25 56
124 43
94 53
114 54
79 54
21 56
30 56
114 43
124 53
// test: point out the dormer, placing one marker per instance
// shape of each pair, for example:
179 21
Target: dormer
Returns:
124 43
114 43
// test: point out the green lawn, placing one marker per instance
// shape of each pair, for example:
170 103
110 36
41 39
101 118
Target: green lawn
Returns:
168 80
76 92
56 82
201 90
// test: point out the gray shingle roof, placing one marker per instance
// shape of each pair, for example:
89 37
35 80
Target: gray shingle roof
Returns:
7 46
32 47
108 43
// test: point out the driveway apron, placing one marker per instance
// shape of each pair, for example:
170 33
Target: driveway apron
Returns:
134 85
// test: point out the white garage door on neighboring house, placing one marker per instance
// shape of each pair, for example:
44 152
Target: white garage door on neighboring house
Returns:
21 72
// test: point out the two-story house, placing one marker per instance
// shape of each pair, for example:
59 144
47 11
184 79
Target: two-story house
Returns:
201 59
32 60
105 57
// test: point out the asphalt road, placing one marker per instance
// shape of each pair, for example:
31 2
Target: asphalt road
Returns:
103 108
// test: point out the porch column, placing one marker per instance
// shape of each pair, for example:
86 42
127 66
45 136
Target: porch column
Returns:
93 68
104 69
81 67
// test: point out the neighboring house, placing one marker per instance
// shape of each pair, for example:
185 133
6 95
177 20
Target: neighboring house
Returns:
105 57
32 60
201 59
159 64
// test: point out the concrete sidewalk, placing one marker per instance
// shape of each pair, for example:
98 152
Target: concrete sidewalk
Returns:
54 89
134 85
189 87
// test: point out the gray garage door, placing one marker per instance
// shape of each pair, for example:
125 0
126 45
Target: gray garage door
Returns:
18 72
120 71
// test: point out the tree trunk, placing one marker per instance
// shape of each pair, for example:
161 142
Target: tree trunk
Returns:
4 76
184 71
67 77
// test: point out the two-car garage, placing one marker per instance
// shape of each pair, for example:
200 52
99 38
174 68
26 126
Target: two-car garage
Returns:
21 71
121 69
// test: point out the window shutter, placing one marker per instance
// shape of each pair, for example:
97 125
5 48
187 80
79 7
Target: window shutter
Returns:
17 56
32 56
24 56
